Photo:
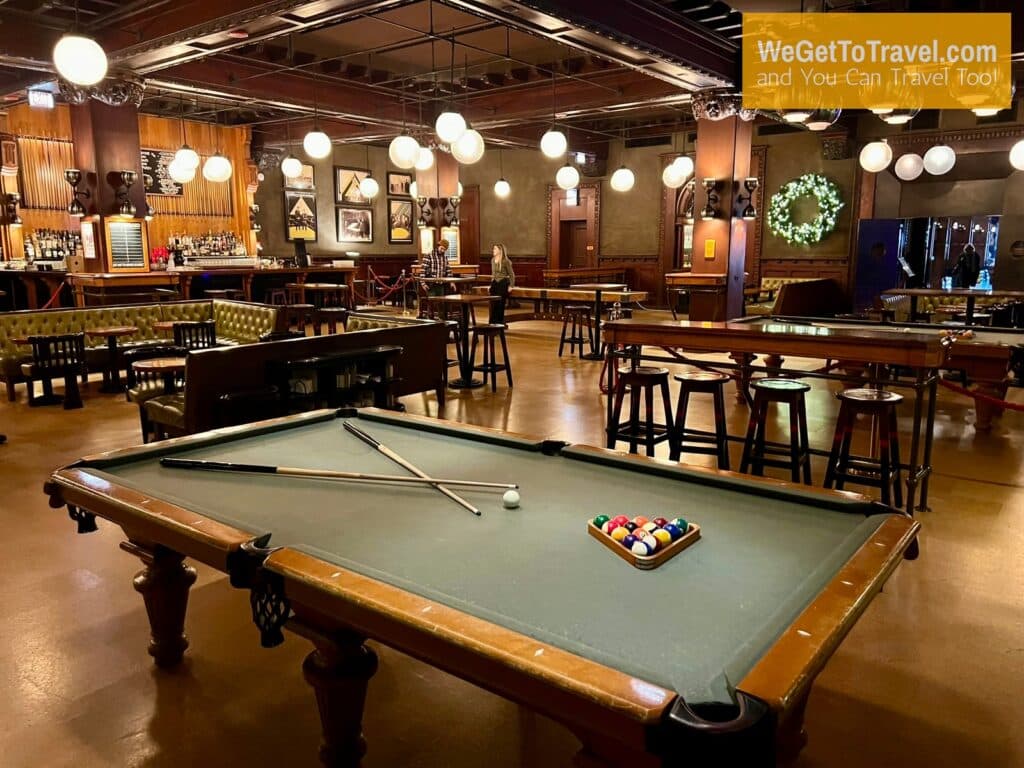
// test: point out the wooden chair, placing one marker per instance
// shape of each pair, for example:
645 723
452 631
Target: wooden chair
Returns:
200 334
55 357
143 386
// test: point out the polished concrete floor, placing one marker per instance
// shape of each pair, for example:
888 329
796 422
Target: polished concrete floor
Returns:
929 678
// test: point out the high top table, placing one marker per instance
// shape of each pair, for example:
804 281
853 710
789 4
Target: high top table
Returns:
112 334
466 302
595 337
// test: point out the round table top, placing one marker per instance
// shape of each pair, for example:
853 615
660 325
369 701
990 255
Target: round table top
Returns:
600 286
112 330
465 298
166 364
164 325
324 286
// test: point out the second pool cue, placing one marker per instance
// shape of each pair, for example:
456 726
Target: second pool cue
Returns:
381 448
321 474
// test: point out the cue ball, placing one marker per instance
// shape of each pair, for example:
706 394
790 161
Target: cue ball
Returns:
510 499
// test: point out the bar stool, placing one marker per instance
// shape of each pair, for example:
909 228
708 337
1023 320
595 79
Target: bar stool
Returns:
277 297
695 440
332 316
634 381
223 293
297 311
489 332
883 472
756 451
575 318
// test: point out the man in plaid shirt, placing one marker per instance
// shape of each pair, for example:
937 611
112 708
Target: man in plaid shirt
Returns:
435 263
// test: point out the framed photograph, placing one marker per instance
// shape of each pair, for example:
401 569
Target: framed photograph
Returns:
300 215
399 183
303 181
355 225
346 185
9 153
400 221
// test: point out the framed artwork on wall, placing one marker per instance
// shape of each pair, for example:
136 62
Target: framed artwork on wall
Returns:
400 221
399 183
304 180
346 185
354 225
300 215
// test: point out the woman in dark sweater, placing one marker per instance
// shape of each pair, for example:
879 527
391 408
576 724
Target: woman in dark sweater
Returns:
502 278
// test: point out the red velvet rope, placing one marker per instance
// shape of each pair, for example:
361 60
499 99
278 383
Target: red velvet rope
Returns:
981 396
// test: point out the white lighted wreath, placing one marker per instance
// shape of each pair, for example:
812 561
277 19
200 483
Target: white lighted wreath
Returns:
780 215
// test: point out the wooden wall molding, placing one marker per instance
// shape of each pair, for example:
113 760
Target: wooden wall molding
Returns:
593 223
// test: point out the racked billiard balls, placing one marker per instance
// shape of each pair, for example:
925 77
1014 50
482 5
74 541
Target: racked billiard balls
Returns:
641 548
630 526
619 533
600 520
650 527
681 524
610 526
659 521
640 520
621 519
649 540
628 541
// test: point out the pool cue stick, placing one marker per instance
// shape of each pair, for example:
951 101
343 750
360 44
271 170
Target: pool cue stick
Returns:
326 474
380 447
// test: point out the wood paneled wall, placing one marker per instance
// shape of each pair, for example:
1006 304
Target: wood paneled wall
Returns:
45 150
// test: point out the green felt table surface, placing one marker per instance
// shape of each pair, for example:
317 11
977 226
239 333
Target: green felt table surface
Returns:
695 625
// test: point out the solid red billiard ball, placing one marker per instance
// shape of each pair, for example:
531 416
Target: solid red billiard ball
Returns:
659 521
610 526
621 519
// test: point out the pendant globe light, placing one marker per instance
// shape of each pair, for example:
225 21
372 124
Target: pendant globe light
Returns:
909 166
553 143
180 173
316 143
469 147
679 170
217 167
899 116
567 177
623 179
186 157
404 149
795 115
414 191
368 187
876 156
291 166
1017 155
939 160
502 189
450 125
79 59
822 119
424 159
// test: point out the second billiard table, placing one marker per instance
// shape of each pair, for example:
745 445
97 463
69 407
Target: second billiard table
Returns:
709 657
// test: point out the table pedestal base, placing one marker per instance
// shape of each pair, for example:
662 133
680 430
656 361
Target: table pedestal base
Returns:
164 584
465 383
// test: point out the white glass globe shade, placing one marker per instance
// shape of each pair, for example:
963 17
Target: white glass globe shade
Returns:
985 112
424 159
909 166
881 110
186 157
623 180
369 187
404 150
502 188
217 168
469 148
567 177
939 159
180 173
80 60
1017 155
317 144
673 176
459 189
414 191
685 164
875 157
291 167
796 115
450 126
553 143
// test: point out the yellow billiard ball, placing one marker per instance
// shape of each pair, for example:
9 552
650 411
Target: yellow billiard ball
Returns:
664 537
619 533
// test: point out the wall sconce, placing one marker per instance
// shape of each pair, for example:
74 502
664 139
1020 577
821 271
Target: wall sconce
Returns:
749 212
73 176
150 213
126 208
254 225
711 207
11 203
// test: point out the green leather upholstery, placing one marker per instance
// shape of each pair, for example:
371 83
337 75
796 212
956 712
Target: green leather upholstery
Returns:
167 411
242 323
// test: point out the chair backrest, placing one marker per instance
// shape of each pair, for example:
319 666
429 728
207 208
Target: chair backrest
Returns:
200 334
58 353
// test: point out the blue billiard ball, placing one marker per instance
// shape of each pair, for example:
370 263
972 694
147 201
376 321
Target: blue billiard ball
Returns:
629 541
673 530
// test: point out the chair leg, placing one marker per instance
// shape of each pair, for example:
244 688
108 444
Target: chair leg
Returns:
795 454
472 352
649 419
634 417
837 443
805 443
844 451
721 433
11 394
72 395
561 341
30 386
144 424
679 426
759 438
884 466
613 425
508 363
492 363
894 442
748 441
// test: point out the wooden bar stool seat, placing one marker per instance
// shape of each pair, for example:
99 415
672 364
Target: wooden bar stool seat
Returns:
575 318
332 317
882 472
489 333
634 382
757 452
688 440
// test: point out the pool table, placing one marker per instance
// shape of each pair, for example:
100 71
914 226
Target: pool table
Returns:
709 657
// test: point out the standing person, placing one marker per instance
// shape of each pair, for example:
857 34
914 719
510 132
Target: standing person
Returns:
503 277
968 268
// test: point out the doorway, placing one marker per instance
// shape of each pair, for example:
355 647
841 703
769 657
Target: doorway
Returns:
572 246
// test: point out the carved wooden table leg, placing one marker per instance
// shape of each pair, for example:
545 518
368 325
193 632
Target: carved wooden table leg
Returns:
790 736
339 670
164 585
742 375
